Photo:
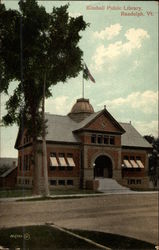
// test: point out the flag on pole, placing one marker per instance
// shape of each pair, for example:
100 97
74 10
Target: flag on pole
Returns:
87 74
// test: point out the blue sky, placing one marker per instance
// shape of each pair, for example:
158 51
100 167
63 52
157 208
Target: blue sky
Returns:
121 53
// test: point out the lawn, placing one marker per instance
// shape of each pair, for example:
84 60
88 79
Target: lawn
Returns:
46 237
28 192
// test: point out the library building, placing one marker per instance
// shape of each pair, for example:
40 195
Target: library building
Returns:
84 147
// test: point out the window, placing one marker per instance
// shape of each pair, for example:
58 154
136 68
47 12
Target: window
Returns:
62 161
70 162
132 181
100 139
112 140
27 138
52 168
26 165
53 182
24 140
138 181
93 139
126 157
61 182
70 182
138 158
26 181
106 139
69 168
53 161
132 158
20 163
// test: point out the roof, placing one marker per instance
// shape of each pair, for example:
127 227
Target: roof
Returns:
93 116
132 138
8 171
87 120
82 105
60 129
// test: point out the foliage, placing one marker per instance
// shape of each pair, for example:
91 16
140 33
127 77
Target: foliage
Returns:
49 48
36 47
154 158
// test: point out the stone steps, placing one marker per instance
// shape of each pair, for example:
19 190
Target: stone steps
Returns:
108 184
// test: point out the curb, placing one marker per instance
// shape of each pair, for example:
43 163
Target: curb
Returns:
111 192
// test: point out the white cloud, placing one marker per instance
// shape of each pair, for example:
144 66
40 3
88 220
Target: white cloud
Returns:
109 32
145 102
135 38
147 128
103 55
59 105
75 14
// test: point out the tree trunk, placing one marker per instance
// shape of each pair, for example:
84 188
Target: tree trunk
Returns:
36 170
44 161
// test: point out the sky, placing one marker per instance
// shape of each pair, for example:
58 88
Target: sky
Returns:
121 51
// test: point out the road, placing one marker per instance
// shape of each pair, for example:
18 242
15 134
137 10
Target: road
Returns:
133 215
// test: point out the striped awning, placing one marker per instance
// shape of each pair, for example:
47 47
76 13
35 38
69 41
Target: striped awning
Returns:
54 162
140 164
127 164
62 162
71 162
134 164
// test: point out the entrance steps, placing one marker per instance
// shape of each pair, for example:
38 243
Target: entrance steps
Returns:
111 185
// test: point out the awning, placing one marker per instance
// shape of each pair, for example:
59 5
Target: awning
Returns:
71 162
140 164
54 162
134 164
127 164
62 162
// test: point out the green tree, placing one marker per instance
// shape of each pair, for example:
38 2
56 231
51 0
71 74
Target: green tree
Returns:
153 159
37 49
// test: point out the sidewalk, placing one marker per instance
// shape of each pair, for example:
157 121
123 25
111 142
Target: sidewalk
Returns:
108 192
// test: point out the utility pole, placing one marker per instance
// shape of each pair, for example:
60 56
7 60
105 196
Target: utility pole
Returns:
44 150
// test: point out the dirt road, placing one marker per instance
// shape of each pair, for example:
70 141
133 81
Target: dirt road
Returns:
134 215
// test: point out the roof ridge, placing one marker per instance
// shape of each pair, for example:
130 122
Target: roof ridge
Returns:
55 115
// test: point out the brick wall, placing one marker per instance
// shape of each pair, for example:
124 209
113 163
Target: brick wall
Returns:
103 124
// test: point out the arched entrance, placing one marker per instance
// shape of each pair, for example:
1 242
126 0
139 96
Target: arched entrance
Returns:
103 167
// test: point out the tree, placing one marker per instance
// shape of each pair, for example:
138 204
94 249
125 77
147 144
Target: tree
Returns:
154 158
37 48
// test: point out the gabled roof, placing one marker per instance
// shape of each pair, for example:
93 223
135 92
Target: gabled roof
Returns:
132 138
83 124
62 129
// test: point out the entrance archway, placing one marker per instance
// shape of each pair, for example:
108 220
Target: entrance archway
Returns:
103 167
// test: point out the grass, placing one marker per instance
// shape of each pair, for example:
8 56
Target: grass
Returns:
15 193
28 192
40 237
114 241
46 237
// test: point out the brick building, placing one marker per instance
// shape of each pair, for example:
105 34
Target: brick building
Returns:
84 146
8 172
